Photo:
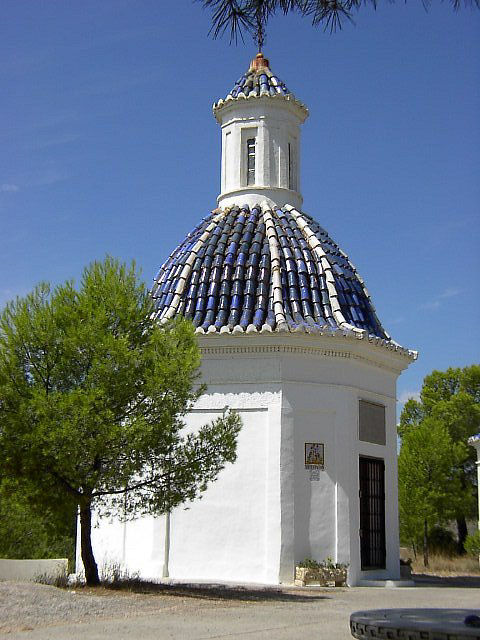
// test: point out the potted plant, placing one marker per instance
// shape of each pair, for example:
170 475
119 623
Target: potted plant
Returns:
324 573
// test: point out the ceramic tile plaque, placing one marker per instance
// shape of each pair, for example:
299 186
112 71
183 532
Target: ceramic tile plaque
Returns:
314 456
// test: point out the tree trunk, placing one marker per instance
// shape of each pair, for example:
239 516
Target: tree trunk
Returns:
462 534
425 543
88 559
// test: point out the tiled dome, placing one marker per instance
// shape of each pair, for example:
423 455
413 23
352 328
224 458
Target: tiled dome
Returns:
264 269
258 81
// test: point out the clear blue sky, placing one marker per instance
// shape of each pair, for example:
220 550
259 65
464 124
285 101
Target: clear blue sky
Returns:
108 145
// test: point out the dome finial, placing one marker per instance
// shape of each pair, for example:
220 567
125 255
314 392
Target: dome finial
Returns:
259 62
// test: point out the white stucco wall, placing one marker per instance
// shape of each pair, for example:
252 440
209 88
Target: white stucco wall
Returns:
265 513
323 397
274 124
224 533
232 532
32 570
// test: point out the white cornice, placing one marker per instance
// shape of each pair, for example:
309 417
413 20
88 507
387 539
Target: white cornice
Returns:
231 104
280 335
322 347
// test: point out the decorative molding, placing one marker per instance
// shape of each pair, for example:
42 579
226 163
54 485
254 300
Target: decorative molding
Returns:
360 335
243 400
275 348
366 394
292 103
279 349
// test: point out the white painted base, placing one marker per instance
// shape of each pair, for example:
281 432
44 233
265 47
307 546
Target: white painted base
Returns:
32 570
267 197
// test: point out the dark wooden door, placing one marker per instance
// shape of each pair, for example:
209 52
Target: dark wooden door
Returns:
372 513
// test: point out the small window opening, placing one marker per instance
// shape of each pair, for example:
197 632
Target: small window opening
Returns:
289 165
251 161
292 178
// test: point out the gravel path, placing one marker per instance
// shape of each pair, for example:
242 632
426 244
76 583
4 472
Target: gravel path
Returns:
30 611
25 605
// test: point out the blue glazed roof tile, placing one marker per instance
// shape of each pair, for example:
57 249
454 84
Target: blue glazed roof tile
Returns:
257 82
220 276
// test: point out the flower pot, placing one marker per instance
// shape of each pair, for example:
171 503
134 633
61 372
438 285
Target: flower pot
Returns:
321 576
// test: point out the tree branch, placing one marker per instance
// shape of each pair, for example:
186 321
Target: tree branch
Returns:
158 478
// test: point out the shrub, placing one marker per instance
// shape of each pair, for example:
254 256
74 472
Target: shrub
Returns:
442 541
60 580
308 563
472 544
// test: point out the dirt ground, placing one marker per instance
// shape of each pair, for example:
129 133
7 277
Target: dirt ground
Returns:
200 612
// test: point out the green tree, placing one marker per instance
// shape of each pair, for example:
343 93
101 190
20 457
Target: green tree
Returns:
28 531
472 543
92 395
430 491
251 16
452 398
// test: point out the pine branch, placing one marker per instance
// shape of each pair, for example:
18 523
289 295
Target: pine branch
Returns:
251 16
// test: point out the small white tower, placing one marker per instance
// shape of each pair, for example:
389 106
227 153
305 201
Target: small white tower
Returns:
260 122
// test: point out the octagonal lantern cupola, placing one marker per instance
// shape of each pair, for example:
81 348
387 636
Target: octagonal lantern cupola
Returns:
260 120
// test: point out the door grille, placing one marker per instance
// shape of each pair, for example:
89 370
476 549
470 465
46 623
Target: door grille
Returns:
372 513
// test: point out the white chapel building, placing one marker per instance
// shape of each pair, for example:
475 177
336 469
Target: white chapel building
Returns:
290 339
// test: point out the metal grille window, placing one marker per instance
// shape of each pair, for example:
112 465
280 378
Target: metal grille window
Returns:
251 161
